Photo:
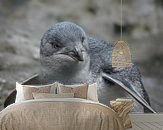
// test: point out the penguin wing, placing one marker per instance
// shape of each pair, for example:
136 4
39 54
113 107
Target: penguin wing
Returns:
127 78
132 85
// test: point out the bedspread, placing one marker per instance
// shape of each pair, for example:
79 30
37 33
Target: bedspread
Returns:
59 114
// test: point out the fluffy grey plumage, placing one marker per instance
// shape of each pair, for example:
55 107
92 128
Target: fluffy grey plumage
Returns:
68 56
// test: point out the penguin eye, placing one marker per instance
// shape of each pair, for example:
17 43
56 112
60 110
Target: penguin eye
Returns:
55 45
82 39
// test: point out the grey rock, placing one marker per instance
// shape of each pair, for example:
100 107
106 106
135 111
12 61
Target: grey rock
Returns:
2 81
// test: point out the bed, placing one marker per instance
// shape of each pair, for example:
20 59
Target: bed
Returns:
59 114
69 114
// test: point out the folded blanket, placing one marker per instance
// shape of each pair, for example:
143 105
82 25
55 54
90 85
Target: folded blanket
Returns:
59 114
123 107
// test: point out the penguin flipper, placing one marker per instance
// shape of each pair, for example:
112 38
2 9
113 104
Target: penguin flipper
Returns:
128 87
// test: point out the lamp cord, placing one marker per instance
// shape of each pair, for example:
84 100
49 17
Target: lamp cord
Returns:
121 21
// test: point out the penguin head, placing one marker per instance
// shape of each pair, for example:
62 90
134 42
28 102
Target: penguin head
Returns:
64 44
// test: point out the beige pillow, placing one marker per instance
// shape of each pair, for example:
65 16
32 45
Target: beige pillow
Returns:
29 90
91 93
80 91
24 92
50 95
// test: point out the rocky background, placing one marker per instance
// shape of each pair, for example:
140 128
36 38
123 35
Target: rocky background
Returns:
22 23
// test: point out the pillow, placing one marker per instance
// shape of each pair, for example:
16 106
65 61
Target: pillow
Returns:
24 92
80 91
50 95
29 90
91 93
19 94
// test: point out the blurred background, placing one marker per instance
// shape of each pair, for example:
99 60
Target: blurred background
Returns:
23 22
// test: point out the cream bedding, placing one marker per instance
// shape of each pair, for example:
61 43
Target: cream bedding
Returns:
59 114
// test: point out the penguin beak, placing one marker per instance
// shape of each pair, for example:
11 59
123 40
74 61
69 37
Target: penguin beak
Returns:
77 54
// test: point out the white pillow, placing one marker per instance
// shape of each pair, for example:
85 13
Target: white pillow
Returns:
92 92
20 91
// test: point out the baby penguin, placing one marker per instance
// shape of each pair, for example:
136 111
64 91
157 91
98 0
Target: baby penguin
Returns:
69 56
